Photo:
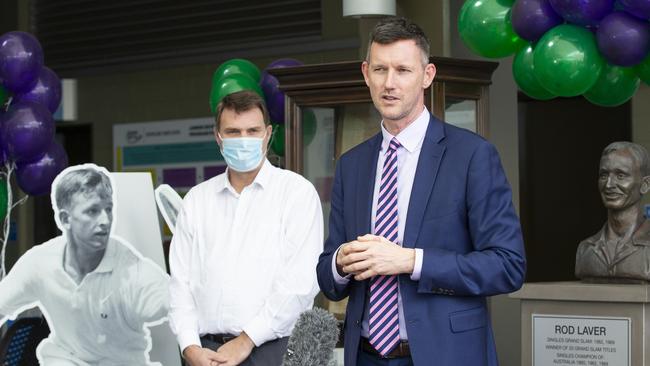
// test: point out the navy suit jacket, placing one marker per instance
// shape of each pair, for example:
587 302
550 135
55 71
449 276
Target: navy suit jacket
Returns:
461 214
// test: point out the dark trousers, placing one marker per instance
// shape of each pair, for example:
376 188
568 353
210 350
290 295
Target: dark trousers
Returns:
366 359
268 354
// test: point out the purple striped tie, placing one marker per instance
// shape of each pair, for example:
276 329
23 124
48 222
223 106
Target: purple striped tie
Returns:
383 317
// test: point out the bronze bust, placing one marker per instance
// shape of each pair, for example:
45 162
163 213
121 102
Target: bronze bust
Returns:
620 251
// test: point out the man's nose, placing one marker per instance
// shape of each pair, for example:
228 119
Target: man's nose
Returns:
610 181
105 218
389 82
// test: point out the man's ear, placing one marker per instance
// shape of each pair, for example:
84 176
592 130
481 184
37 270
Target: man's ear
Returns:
216 135
364 71
429 75
645 184
64 219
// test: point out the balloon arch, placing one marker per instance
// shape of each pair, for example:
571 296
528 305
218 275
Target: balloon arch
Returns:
594 48
29 94
238 74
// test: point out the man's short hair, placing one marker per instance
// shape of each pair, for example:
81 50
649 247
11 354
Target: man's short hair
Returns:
82 181
392 29
639 153
239 102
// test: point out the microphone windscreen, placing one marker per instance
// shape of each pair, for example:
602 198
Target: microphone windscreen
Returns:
313 339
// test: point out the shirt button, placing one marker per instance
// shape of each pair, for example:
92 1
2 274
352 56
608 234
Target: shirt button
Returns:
101 339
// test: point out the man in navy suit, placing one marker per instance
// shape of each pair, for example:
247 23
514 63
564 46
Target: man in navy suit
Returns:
422 226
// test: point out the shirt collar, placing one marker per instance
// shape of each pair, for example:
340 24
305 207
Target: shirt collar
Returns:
411 137
108 262
262 178
640 238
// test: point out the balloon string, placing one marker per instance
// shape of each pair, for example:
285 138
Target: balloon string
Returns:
7 103
6 174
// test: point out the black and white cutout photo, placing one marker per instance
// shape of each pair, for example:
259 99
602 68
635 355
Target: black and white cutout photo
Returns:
98 294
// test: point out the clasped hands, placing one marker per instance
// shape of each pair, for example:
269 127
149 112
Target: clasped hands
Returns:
372 255
232 353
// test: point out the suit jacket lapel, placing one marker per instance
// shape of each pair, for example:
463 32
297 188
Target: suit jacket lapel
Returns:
366 184
425 176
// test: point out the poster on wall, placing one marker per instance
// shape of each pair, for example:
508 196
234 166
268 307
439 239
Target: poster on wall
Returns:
180 153
101 285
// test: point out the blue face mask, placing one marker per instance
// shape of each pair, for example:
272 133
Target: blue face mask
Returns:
242 154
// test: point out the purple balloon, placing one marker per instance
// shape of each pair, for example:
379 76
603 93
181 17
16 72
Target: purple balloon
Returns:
269 83
27 131
532 18
275 104
47 90
622 39
21 59
283 62
272 94
582 12
638 8
36 178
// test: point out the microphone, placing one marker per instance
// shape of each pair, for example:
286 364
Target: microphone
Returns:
312 340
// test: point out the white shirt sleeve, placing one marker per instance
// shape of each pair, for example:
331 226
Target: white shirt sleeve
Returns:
17 289
295 286
150 296
337 277
183 317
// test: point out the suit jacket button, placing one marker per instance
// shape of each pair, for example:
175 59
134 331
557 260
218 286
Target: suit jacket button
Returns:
357 322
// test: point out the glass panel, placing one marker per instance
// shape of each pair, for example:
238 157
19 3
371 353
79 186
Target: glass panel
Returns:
318 137
461 113
328 132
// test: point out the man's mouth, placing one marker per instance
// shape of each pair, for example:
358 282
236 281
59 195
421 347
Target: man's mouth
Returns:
389 98
613 195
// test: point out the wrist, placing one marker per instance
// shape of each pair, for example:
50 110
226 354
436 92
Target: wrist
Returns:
190 351
409 261
247 341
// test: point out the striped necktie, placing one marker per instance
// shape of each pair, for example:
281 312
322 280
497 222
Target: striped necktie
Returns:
383 317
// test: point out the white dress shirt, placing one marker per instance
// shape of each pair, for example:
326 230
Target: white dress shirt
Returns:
411 139
100 321
245 262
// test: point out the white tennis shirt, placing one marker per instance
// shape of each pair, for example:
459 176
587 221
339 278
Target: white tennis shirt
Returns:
100 321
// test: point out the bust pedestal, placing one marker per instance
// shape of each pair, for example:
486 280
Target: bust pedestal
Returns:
574 323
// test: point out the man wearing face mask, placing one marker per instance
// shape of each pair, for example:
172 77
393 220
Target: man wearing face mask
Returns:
244 248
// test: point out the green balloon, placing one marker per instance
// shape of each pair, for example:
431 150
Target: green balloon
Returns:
308 132
3 198
237 66
643 70
277 142
485 27
4 95
231 84
567 62
523 69
615 86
